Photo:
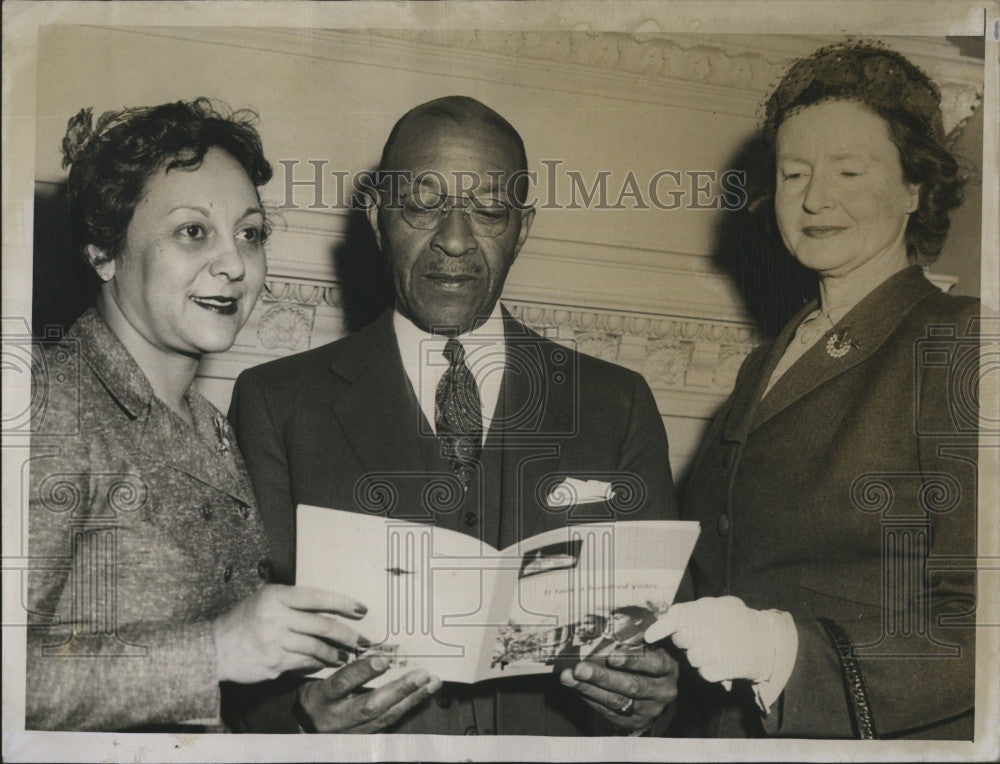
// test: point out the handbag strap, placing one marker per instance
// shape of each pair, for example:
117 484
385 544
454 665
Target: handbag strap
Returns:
854 681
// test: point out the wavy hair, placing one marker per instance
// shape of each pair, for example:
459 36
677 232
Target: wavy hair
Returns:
112 161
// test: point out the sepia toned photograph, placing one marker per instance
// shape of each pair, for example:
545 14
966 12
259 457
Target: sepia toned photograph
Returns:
527 381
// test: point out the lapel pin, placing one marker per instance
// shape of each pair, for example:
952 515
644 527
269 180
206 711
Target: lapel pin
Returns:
839 343
221 434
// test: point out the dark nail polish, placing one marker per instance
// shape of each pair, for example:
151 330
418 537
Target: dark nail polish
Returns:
363 643
360 609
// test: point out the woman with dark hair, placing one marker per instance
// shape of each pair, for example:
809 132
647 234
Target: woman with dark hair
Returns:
149 580
836 489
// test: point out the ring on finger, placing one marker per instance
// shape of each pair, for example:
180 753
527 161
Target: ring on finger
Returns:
627 708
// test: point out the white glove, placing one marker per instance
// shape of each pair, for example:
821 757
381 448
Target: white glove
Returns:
726 640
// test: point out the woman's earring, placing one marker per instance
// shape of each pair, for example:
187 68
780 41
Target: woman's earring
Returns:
103 265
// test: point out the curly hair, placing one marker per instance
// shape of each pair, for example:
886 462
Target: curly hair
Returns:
113 161
896 90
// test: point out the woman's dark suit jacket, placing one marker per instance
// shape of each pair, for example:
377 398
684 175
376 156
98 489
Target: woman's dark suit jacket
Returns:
816 501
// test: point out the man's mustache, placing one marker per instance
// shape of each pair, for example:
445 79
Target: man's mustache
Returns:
448 269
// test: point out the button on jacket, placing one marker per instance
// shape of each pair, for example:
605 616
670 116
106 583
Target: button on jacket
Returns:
316 425
801 492
142 530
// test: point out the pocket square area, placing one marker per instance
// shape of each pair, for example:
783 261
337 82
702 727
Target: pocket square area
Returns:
572 491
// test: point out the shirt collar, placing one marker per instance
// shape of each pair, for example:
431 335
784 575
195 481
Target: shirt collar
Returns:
424 364
411 337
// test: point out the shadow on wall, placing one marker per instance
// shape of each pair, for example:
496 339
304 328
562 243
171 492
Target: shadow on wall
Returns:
747 248
365 287
63 287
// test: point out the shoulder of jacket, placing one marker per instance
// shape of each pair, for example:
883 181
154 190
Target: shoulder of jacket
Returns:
950 312
293 366
305 365
67 397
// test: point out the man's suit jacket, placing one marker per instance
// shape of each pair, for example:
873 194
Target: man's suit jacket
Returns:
340 427
807 497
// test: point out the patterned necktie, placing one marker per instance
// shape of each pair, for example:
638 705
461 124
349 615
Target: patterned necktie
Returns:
458 414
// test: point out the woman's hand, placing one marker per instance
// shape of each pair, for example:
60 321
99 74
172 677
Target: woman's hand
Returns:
338 704
284 628
727 640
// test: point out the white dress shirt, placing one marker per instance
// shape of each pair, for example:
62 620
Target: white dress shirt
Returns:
425 363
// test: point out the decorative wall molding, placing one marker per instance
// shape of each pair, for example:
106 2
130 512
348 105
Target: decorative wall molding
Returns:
302 292
717 73
673 353
746 65
959 101
658 57
286 326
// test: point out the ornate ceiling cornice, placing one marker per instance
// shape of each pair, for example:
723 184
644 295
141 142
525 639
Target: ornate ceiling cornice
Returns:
718 73
752 65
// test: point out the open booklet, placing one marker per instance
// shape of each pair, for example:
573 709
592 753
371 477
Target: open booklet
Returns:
465 611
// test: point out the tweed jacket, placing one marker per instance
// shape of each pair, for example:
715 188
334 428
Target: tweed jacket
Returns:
317 427
848 492
141 530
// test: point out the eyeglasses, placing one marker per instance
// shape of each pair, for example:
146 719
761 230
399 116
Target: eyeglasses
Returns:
425 210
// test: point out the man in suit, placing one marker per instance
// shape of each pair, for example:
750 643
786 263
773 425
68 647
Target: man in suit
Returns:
446 410
586 636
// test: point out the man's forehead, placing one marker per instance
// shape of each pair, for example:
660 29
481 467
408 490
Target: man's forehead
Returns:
474 145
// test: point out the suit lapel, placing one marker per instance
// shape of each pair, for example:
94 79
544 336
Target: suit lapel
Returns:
385 435
163 437
861 332
536 412
752 381
533 405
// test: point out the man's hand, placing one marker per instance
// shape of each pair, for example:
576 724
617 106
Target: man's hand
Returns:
339 704
628 688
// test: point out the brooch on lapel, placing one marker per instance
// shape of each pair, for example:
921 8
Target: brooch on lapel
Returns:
839 343
221 434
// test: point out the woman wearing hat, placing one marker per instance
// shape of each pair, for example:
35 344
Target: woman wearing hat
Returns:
836 489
